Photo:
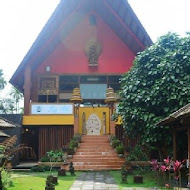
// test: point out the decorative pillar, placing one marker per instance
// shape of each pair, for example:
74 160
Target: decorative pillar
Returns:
76 99
27 86
174 144
110 100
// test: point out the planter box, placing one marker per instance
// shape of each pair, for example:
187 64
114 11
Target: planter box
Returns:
138 163
54 164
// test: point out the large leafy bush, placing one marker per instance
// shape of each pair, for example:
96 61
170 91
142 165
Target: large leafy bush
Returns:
157 85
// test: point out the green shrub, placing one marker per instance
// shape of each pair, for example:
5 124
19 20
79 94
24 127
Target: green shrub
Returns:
40 168
73 144
112 138
45 159
70 151
120 149
6 179
115 143
137 154
77 137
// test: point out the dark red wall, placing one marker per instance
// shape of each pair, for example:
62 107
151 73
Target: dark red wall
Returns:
69 57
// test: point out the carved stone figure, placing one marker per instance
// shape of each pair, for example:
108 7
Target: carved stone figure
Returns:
93 125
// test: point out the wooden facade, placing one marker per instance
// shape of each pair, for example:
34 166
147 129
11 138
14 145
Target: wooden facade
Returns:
54 138
179 121
86 45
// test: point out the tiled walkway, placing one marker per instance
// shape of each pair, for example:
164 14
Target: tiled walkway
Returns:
95 181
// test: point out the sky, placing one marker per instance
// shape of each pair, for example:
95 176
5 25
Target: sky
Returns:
22 20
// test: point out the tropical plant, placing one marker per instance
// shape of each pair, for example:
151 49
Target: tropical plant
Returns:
156 86
120 149
2 80
55 156
138 154
17 96
8 149
115 143
166 167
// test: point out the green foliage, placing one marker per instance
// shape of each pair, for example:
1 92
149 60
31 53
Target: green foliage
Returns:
70 151
120 149
156 86
45 159
40 168
112 137
137 154
77 137
115 143
6 179
73 143
2 80
55 156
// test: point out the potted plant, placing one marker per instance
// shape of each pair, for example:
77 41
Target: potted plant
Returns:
120 149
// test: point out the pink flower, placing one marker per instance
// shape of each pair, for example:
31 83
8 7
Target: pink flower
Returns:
163 168
167 161
177 165
155 165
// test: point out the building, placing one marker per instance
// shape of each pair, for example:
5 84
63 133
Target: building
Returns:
86 44
179 122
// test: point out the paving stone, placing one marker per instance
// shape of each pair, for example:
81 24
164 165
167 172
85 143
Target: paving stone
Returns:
95 181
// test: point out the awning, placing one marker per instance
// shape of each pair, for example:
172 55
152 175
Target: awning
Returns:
181 113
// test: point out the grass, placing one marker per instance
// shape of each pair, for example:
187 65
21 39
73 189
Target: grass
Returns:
149 179
36 181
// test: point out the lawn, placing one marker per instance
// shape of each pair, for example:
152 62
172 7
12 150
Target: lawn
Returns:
36 181
149 179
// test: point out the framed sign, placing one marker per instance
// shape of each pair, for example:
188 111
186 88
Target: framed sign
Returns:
51 109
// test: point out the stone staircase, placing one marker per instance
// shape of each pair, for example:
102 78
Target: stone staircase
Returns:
95 153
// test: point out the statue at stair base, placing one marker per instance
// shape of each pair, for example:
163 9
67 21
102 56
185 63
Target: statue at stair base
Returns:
93 125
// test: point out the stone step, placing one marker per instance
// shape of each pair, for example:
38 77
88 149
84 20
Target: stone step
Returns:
95 156
99 167
118 163
100 159
96 153
95 141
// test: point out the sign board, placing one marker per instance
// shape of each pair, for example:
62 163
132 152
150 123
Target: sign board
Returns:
51 109
93 91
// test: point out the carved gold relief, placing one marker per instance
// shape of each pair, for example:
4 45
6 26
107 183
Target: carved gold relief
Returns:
47 92
92 51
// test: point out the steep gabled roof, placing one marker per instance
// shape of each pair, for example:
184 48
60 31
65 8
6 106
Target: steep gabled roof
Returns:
118 14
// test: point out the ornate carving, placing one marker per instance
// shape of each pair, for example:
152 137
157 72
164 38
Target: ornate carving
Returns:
47 92
47 83
104 123
92 51
93 125
83 124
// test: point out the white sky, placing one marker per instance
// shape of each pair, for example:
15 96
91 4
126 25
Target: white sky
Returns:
22 20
